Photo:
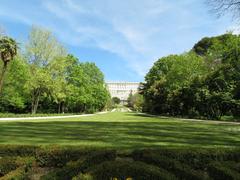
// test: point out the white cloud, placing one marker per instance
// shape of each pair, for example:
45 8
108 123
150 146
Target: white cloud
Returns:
140 31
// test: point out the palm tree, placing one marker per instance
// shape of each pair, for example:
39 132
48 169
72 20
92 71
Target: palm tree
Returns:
8 49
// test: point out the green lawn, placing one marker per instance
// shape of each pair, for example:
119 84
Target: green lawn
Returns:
120 130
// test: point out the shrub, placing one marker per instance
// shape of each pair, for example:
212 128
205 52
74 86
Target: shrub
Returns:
7 164
123 169
61 173
18 174
98 157
196 158
83 177
181 170
73 168
17 150
56 156
219 171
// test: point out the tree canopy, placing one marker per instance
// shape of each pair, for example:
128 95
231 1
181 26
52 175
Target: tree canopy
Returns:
201 83
45 78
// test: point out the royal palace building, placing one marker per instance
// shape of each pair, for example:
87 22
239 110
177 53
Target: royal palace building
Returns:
122 89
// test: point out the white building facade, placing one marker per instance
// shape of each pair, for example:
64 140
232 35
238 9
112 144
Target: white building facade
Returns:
122 89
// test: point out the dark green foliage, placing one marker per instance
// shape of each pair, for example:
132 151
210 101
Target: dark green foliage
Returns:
116 100
220 171
196 158
66 172
203 83
56 156
82 176
17 174
164 163
98 157
48 80
181 170
18 150
129 169
203 46
135 102
82 165
7 164
10 163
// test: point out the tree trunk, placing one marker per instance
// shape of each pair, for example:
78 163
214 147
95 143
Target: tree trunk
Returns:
59 107
4 69
63 107
35 100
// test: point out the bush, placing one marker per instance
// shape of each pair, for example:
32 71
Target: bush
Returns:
63 173
219 171
17 150
98 157
18 174
56 156
181 170
128 169
7 164
196 158
83 177
73 168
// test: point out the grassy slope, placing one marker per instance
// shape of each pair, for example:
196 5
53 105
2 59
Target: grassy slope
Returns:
120 130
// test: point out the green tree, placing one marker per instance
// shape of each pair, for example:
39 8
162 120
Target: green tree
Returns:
8 50
41 49
87 88
201 83
167 77
116 100
15 96
135 102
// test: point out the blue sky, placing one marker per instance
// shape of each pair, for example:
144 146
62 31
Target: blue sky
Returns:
123 37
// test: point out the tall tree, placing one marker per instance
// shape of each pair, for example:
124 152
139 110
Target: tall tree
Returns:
15 95
41 50
8 50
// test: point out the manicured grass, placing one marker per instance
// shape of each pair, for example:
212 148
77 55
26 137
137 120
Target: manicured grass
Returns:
120 131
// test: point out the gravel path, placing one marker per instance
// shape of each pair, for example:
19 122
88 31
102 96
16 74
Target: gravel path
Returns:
48 117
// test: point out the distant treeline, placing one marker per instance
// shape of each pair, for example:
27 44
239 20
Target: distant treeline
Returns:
203 83
44 78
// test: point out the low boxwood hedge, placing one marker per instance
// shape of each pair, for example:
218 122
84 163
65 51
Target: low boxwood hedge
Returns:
181 170
73 168
68 162
17 150
17 174
220 171
123 169
7 164
196 158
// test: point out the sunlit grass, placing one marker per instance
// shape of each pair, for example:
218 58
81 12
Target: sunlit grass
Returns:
120 130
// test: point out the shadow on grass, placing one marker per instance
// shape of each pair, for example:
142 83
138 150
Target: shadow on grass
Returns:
146 132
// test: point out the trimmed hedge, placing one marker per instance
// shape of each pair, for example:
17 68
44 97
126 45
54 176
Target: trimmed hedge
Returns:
17 150
98 157
73 168
83 177
196 158
18 174
123 169
57 156
7 164
82 163
181 170
10 164
220 171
